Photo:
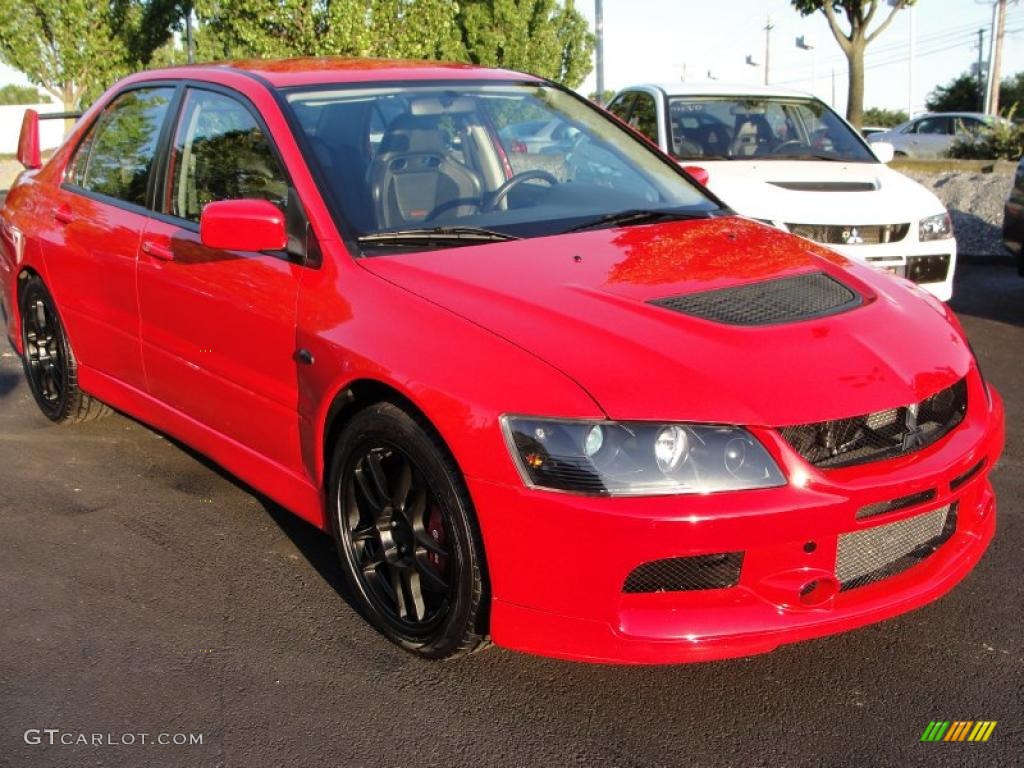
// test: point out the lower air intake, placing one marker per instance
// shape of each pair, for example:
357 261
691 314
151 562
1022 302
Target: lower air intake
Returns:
684 574
771 302
864 557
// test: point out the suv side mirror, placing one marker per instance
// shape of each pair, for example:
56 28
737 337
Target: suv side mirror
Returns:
28 141
243 225
884 151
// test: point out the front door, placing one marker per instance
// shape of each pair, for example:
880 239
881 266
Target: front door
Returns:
218 327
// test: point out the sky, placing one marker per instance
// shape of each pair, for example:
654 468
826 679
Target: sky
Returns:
671 40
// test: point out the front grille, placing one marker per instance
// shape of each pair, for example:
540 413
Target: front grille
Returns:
840 234
785 300
864 557
684 574
880 435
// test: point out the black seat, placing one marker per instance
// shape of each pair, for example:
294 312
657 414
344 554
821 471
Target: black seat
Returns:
414 174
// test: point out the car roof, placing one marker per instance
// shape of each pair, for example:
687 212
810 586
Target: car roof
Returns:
721 89
322 70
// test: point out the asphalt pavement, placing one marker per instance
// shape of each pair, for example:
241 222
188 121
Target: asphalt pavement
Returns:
143 591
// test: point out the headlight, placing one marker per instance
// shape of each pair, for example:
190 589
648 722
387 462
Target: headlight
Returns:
937 227
637 458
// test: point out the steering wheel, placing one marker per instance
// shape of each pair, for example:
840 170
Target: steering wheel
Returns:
456 203
791 144
502 192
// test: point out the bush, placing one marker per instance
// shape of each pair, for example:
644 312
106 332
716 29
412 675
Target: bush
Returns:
1000 140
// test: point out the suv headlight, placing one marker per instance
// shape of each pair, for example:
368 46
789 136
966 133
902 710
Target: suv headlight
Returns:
637 458
937 227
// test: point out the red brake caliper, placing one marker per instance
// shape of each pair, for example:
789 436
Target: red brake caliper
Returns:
435 530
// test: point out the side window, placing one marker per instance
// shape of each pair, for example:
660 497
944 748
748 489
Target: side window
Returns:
645 116
620 106
221 153
934 125
116 156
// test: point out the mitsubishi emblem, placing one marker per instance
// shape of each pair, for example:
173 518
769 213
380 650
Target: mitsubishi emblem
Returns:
852 236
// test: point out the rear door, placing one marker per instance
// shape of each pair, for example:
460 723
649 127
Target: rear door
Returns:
99 213
218 327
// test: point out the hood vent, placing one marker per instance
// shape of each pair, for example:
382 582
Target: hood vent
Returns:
827 186
786 300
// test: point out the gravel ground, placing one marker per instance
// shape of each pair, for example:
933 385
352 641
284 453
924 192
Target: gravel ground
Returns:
976 202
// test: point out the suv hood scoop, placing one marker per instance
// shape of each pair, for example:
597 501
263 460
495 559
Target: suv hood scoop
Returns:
827 186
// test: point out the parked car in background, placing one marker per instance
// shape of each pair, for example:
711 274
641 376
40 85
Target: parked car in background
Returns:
1013 218
587 412
930 136
869 130
787 159
539 136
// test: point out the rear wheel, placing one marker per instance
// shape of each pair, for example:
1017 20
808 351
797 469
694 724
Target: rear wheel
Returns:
406 534
49 362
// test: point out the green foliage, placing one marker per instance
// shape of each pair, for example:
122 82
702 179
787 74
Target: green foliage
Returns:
22 94
543 37
1000 140
961 93
884 118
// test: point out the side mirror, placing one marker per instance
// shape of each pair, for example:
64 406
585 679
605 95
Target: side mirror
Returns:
698 174
28 141
884 151
243 225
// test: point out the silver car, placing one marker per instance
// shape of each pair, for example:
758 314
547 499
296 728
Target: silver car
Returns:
931 135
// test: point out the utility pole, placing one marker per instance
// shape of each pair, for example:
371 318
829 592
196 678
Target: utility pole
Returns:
767 49
996 59
189 42
981 70
833 102
910 66
599 47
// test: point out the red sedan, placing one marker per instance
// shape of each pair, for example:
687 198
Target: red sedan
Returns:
561 398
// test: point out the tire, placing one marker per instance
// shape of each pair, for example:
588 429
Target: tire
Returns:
48 361
406 534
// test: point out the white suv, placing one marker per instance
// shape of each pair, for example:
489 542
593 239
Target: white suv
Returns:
787 159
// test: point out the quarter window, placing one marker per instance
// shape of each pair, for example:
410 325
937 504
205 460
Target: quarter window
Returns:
221 153
645 116
620 106
116 157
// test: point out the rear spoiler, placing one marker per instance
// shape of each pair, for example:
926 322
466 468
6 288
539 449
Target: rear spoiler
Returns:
28 141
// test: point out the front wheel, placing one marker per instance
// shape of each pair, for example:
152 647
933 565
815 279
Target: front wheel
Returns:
49 363
405 531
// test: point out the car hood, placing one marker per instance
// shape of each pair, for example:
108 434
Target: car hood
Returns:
810 192
581 302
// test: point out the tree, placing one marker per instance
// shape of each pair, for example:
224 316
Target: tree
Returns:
961 94
543 37
21 94
859 15
884 118
72 49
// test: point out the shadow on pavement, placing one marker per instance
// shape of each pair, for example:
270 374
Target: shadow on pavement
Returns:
996 290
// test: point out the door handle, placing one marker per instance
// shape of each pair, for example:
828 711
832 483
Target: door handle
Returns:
157 251
63 215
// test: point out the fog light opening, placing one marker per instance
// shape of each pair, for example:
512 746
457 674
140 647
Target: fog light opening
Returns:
818 591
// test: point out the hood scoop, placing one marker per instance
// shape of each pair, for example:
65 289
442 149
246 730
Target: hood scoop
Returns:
827 186
771 302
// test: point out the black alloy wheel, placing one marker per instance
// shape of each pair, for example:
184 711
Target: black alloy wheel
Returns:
48 361
405 532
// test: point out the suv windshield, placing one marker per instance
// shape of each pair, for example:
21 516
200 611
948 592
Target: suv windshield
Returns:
758 128
440 164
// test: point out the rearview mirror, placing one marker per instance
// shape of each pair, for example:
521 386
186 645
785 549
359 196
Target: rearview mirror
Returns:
884 151
243 225
28 141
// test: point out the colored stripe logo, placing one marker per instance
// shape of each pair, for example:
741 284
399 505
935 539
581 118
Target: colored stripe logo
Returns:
958 730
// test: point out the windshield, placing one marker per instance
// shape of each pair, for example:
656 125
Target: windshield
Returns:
755 128
444 164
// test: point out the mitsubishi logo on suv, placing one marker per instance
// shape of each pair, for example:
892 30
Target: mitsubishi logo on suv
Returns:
914 436
852 236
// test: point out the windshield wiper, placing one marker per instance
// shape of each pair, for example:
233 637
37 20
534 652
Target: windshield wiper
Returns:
436 235
636 216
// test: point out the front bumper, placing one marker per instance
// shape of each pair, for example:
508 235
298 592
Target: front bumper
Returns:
558 561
